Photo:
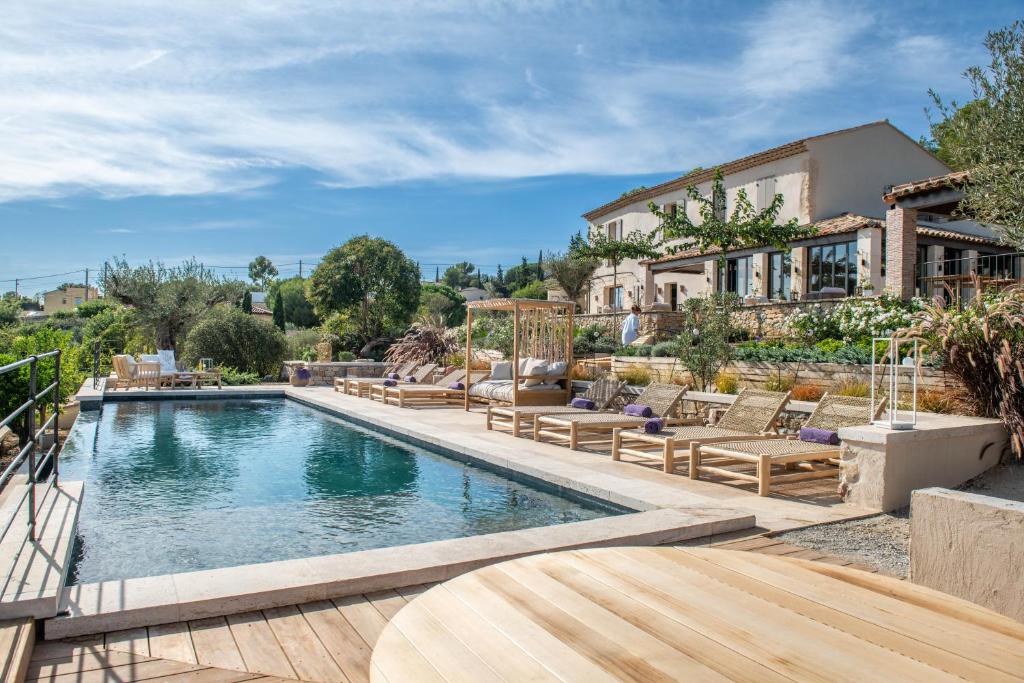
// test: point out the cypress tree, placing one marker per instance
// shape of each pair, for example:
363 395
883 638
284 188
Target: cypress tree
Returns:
279 311
540 265
247 303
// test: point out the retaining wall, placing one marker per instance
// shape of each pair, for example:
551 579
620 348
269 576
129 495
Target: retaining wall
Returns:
324 373
970 546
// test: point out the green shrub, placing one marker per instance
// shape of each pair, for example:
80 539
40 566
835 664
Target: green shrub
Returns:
829 345
533 290
704 340
444 301
591 339
346 356
233 377
234 339
665 349
302 341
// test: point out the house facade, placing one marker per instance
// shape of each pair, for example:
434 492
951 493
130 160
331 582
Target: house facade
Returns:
839 182
68 298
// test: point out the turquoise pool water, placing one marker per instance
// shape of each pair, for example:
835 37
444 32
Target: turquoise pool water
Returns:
176 486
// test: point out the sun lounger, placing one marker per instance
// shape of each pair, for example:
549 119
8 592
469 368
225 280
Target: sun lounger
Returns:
663 399
602 392
799 460
753 412
405 395
131 374
360 386
346 383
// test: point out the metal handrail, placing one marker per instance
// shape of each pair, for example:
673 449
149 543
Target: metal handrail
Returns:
32 436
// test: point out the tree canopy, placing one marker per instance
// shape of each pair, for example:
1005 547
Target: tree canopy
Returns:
371 282
986 135
168 300
441 301
459 275
571 274
262 272
297 309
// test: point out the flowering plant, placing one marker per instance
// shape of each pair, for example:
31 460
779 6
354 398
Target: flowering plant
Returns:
854 319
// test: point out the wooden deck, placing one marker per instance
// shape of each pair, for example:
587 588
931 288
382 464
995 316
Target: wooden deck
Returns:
645 614
320 641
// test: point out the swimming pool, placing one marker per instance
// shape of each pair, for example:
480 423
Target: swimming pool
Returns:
176 486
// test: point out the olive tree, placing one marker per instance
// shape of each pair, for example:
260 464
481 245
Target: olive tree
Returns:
370 282
986 135
168 300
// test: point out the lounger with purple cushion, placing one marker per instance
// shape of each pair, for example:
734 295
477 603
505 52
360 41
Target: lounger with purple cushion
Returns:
812 454
598 397
347 385
656 400
449 389
753 412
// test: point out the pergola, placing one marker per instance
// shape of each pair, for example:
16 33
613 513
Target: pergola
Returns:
540 329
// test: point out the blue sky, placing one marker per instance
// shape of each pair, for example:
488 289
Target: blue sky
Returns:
477 131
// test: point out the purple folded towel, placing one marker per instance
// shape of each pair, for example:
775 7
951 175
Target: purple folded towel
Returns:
815 435
410 379
457 386
637 410
584 403
391 382
654 425
303 373
393 375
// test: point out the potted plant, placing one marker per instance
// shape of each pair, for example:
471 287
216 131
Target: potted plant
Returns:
301 376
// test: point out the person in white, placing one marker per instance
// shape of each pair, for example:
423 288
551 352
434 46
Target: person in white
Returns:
631 326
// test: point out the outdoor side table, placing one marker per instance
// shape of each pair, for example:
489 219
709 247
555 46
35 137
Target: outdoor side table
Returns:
662 613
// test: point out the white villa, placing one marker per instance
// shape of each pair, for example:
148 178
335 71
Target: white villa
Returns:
851 184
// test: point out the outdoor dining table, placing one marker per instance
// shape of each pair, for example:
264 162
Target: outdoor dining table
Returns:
667 614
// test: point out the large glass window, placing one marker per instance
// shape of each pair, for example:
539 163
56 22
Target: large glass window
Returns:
738 276
780 271
833 265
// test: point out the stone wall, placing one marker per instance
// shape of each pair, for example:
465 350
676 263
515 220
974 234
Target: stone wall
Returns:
756 373
970 546
879 468
325 373
761 320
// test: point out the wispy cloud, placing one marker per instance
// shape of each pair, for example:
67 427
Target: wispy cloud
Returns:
177 99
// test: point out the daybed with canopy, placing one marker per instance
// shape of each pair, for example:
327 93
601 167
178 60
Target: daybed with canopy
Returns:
538 371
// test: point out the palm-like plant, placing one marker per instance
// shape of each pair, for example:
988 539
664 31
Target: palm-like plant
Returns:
429 341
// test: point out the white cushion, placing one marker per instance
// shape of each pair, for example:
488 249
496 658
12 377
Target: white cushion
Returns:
536 366
166 358
522 364
501 369
149 358
557 368
130 363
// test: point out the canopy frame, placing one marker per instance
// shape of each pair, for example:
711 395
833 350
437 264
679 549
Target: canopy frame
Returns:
540 329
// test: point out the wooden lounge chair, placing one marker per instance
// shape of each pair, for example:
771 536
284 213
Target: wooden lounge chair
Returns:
360 386
663 400
753 412
800 460
602 392
132 375
405 395
345 383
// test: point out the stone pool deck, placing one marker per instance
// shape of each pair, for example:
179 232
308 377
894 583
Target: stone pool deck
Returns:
670 509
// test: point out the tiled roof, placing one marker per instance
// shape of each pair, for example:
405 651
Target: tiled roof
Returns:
938 233
774 154
954 179
843 223
260 309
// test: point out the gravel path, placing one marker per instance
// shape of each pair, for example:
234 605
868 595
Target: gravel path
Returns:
883 541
